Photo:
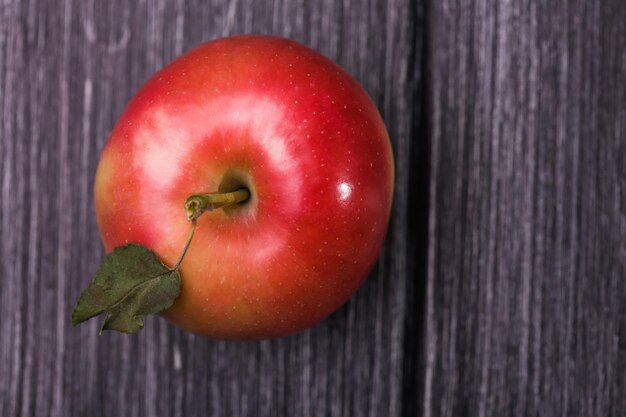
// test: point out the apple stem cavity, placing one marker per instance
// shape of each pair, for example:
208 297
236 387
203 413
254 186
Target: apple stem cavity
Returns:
197 204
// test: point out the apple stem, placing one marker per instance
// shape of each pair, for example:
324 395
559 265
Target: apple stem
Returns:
182 256
197 204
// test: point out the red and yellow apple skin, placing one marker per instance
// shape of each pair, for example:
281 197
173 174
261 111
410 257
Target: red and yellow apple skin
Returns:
293 127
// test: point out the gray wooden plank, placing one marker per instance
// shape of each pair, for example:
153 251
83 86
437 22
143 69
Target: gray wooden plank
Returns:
67 69
526 270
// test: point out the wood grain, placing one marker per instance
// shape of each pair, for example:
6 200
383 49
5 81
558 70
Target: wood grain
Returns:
526 291
67 69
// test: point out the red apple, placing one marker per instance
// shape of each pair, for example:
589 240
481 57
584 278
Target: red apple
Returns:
279 119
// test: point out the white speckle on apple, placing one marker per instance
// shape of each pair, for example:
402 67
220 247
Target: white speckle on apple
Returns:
344 190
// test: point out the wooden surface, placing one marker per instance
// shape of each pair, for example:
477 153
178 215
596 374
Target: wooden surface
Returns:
526 292
501 289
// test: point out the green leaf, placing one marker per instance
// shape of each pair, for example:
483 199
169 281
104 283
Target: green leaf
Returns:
130 283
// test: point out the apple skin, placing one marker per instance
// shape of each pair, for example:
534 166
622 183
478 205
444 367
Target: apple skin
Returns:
277 117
